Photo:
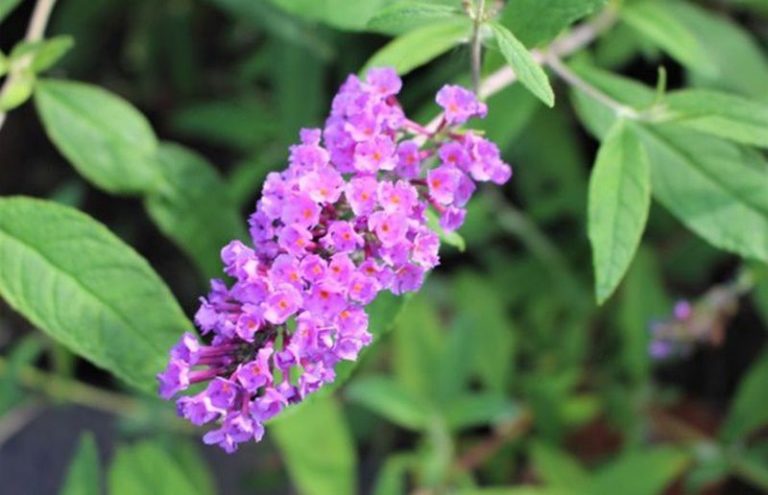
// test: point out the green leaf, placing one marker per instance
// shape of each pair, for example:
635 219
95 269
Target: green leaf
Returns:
18 91
619 200
317 448
473 409
187 455
391 477
658 24
481 313
403 16
193 207
42 55
341 14
107 140
558 469
714 187
74 279
720 114
749 408
241 123
7 6
530 73
420 46
535 22
22 354
742 66
717 189
147 468
83 475
388 398
640 473
418 346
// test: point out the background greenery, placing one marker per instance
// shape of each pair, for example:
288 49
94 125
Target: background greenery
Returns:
646 183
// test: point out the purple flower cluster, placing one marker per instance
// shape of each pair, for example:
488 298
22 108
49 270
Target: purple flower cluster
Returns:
345 220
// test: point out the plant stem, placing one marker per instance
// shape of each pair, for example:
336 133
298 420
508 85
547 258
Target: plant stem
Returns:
573 41
74 391
567 75
35 31
477 45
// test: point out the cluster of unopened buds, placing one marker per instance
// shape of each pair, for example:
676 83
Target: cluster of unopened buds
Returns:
346 220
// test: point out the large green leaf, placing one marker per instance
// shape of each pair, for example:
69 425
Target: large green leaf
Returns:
193 207
390 399
403 16
83 475
655 22
341 14
317 448
720 114
529 73
82 285
147 468
619 199
742 66
105 138
717 189
645 472
420 46
535 22
749 409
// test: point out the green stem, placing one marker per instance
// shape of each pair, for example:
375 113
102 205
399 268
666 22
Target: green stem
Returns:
74 391
477 45
570 77
35 31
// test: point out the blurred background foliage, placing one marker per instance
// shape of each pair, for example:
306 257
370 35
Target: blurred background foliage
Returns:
503 372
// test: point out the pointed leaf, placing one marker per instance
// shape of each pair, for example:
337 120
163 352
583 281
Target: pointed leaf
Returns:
641 473
720 114
83 475
105 138
420 46
386 397
406 15
78 282
147 468
714 187
317 448
657 23
619 199
530 73
535 22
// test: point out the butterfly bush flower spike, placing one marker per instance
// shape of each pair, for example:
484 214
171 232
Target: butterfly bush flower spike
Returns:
345 221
